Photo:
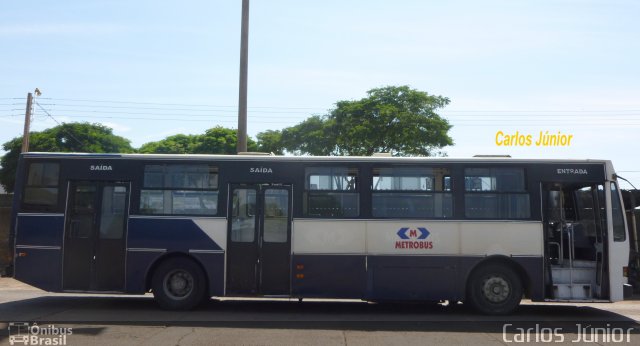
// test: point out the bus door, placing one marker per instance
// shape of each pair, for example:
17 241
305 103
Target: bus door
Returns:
575 222
259 240
95 235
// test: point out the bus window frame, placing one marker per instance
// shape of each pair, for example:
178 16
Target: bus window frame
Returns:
23 207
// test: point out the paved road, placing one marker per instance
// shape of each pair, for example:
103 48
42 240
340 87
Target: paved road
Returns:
118 320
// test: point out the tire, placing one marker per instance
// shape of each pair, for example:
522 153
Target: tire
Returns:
494 289
178 284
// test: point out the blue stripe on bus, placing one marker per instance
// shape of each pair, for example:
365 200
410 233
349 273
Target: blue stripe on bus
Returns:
41 268
171 234
395 277
40 230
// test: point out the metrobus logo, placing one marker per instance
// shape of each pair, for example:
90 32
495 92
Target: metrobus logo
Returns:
413 238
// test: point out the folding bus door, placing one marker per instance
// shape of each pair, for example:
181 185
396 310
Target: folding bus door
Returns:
259 240
95 235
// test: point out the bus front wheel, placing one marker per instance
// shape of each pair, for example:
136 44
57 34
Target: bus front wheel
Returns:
178 284
494 289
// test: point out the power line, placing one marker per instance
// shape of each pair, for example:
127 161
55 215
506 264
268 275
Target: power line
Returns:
498 113
277 107
151 113
458 118
600 116
183 104
168 119
299 113
543 111
211 109
540 111
166 109
57 122
491 122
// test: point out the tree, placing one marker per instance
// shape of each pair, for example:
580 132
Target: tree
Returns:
68 137
178 144
270 141
395 119
314 136
221 140
217 140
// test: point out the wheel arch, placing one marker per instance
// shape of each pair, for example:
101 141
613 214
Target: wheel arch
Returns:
503 260
169 256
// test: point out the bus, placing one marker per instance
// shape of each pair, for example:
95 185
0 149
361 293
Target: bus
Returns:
483 231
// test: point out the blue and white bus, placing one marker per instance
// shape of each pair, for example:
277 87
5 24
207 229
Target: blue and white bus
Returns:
485 231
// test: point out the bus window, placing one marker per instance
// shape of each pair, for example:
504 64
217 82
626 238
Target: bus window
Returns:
585 210
41 189
496 193
276 215
180 189
113 214
446 182
411 192
619 233
331 192
243 222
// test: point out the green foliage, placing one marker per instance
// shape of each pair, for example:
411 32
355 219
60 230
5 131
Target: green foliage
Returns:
270 141
217 140
313 136
178 144
68 137
395 119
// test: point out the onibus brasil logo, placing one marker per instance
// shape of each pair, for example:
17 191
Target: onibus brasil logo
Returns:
23 333
413 238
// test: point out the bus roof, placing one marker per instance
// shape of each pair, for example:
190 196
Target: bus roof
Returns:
218 157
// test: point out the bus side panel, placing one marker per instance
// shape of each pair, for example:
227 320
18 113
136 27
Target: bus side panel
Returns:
437 277
213 264
38 257
139 263
151 238
332 254
329 276
413 278
534 269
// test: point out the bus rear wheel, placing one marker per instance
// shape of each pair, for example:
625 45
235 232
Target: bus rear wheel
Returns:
178 284
494 289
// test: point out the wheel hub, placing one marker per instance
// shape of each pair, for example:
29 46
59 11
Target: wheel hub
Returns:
178 284
496 289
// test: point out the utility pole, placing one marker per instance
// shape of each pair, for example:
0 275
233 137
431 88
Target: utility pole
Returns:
244 60
27 124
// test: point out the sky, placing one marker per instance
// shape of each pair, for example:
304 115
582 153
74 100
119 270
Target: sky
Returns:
151 69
